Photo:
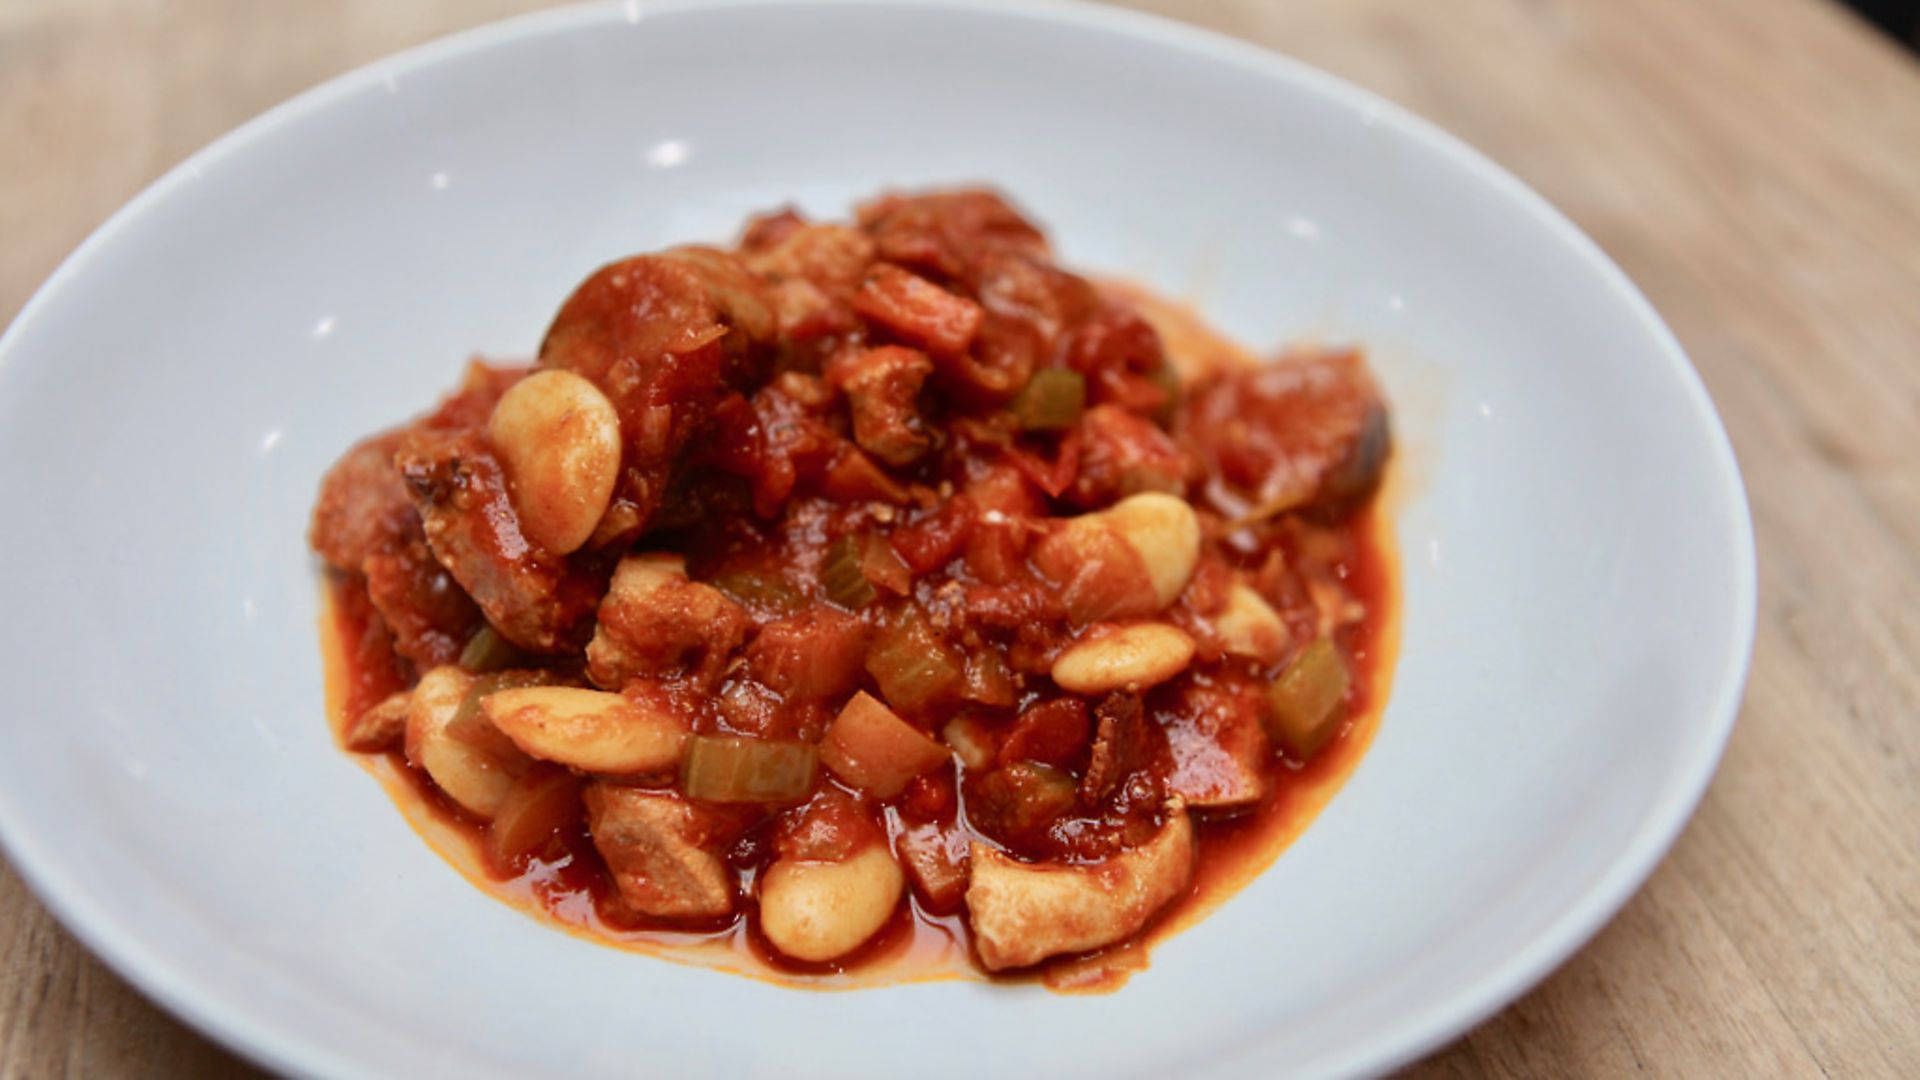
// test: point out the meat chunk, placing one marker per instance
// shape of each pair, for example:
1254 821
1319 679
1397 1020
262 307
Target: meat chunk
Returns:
944 232
833 258
1217 743
1119 744
811 272
1026 912
1052 732
365 523
652 842
535 600
1122 454
1119 353
363 504
656 333
882 386
1307 431
653 621
430 615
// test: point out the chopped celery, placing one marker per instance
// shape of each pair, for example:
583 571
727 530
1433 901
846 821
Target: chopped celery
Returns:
841 576
1303 703
1052 400
467 721
912 665
487 651
765 589
731 768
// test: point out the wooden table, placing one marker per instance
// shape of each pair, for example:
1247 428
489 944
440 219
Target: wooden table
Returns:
1753 164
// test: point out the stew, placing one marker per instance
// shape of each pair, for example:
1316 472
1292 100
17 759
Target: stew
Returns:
868 582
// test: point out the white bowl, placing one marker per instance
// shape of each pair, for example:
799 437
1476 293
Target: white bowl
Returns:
1578 562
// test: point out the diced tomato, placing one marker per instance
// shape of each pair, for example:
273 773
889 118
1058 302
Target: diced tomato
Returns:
816 654
917 310
936 861
1052 733
932 542
832 826
930 796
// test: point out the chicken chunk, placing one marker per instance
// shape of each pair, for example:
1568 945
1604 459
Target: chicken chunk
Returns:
1025 912
882 386
653 621
651 841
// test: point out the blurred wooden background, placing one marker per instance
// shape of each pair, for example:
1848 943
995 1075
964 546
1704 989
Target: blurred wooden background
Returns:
1753 164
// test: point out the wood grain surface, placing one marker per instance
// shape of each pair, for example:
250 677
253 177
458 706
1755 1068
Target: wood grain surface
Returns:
1753 164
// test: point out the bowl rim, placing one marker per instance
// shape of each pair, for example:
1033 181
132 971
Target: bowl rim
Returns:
287 1048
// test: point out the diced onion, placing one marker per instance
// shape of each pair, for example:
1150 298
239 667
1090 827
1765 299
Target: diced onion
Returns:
542 803
871 748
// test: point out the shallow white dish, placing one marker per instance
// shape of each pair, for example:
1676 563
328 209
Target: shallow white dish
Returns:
1578 562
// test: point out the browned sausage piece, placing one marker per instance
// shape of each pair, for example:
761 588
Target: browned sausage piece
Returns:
1306 431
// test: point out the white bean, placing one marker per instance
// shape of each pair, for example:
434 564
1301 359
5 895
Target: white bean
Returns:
1130 657
1248 626
587 729
475 767
558 438
1166 533
817 911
